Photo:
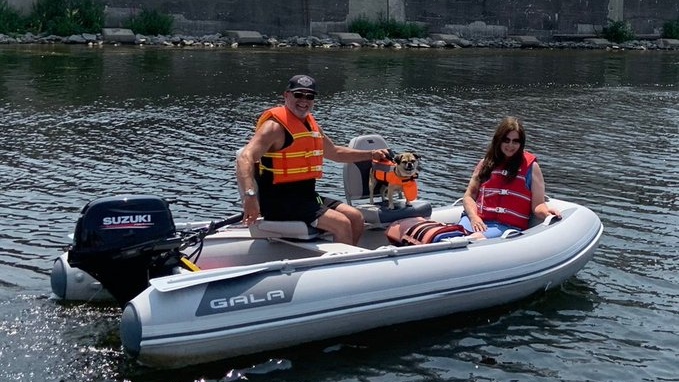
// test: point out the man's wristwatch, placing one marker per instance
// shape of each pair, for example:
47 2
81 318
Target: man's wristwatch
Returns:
250 192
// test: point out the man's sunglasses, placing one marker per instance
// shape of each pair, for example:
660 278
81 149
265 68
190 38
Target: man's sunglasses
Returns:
308 96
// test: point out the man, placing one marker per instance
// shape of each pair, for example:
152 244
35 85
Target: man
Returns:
279 166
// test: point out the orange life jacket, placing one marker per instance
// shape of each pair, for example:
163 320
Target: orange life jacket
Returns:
385 172
505 201
303 159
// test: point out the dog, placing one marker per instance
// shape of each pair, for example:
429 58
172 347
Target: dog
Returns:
400 175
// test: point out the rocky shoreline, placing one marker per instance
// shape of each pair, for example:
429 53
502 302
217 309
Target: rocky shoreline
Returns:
451 42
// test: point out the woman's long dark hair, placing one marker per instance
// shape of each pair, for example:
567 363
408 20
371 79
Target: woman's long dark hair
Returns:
494 156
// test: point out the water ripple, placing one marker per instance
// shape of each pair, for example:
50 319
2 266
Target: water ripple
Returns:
603 139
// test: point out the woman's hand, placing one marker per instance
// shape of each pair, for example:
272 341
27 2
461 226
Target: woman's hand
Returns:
478 225
554 212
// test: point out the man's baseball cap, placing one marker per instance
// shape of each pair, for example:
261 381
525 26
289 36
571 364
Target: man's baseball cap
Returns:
302 82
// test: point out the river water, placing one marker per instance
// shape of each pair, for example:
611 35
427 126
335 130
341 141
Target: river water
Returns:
78 123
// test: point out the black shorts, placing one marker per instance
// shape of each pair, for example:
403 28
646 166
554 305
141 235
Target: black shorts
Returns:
307 211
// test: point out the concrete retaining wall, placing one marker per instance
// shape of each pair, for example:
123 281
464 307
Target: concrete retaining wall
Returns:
545 17
285 18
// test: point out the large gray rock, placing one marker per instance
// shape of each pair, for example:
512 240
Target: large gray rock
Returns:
121 35
598 42
246 37
348 38
451 39
670 43
89 37
76 39
527 41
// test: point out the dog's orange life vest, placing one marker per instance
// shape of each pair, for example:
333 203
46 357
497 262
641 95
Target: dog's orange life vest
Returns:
303 159
385 172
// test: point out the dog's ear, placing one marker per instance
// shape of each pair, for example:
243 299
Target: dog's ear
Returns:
419 162
397 158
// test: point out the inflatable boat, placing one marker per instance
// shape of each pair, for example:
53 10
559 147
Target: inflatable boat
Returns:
198 292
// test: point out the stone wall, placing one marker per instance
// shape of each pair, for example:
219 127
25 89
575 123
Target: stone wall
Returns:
649 16
271 17
23 6
285 18
546 16
520 17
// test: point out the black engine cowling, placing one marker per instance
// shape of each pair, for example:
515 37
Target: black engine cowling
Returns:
123 241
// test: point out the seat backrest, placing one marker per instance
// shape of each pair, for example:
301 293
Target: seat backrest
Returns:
357 188
356 175
290 229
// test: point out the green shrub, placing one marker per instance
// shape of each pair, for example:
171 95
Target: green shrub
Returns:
150 22
66 17
10 20
671 29
618 31
385 28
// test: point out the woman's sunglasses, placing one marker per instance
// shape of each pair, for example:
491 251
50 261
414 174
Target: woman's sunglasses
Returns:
507 140
308 96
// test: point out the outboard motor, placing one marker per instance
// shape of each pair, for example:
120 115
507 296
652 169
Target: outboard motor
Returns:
123 241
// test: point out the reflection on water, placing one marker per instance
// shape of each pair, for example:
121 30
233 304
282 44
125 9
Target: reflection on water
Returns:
79 75
81 123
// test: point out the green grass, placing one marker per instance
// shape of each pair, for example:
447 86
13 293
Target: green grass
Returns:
66 17
385 28
11 21
671 29
618 31
150 22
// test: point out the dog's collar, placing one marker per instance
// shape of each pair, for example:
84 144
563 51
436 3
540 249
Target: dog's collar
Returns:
404 178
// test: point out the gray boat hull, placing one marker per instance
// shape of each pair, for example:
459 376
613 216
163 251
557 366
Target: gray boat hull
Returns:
324 289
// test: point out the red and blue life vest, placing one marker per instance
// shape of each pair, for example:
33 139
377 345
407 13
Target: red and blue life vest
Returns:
504 200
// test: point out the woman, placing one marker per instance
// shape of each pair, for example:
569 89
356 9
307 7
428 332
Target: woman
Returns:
506 187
